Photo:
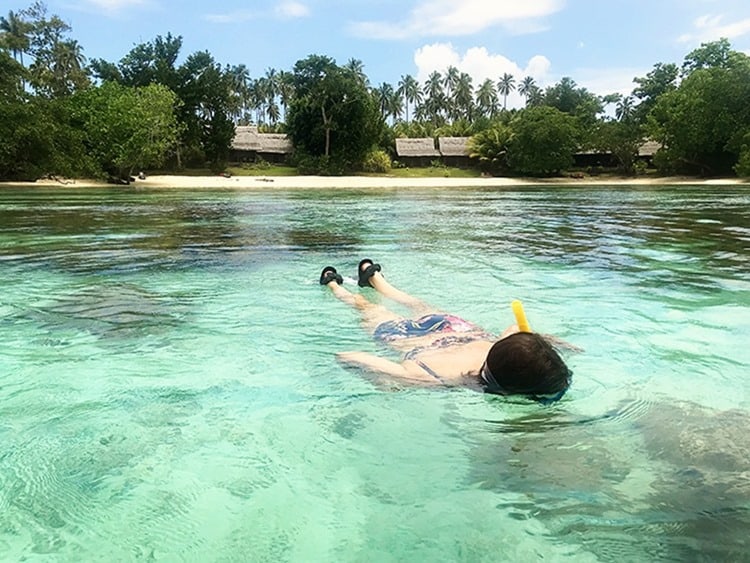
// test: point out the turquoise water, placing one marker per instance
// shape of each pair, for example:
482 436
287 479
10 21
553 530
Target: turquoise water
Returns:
169 392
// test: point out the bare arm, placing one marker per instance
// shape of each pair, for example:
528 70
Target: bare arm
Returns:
380 366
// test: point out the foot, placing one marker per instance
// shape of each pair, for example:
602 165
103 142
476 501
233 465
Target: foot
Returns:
330 274
365 271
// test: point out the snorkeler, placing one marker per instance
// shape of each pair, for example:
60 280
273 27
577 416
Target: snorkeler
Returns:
440 349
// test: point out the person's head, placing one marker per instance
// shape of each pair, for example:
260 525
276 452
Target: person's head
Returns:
524 363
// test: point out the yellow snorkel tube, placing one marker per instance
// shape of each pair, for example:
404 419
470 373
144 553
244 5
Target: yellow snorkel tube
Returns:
521 321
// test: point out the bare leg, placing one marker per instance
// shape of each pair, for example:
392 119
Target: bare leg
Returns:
381 285
372 314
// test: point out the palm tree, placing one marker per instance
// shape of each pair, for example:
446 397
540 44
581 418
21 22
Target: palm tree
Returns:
527 87
384 94
67 68
505 86
357 67
452 76
487 98
434 97
15 34
239 77
395 105
285 82
535 96
408 89
625 108
463 97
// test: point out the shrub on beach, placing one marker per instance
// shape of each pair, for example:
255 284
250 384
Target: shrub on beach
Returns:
377 161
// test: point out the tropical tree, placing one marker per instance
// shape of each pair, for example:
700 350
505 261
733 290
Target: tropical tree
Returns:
622 139
490 148
15 34
433 99
487 98
384 94
239 79
704 123
332 116
527 88
127 128
450 81
625 109
286 90
59 65
543 141
715 54
463 98
207 93
505 86
357 67
408 89
660 80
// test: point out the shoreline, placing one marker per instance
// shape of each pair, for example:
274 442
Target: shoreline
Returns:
357 182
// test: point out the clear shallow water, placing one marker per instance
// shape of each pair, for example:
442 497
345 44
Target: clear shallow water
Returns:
168 387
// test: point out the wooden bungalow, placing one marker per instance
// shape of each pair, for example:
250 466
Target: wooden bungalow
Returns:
416 152
249 146
455 151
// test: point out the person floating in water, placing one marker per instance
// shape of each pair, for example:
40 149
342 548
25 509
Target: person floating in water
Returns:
440 349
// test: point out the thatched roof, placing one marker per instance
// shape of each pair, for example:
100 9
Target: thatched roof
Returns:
424 146
454 146
649 148
247 138
275 143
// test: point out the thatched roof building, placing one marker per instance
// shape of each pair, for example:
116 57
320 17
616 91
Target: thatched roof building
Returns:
246 138
249 144
454 146
649 148
421 147
275 143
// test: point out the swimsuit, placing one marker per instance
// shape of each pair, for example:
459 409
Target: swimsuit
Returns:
423 326
435 323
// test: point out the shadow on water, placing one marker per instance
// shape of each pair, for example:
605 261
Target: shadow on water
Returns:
666 236
648 481
110 311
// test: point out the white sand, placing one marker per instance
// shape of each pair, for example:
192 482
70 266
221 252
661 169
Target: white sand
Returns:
312 182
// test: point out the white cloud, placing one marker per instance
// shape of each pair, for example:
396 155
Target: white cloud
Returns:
480 65
285 10
710 28
114 5
463 17
230 17
292 10
608 81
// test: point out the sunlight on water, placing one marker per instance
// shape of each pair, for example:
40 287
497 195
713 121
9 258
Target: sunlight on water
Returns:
168 386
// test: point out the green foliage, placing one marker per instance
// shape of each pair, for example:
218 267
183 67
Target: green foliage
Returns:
742 168
543 141
320 165
332 115
490 148
569 98
127 128
202 86
662 79
59 67
620 138
703 123
377 161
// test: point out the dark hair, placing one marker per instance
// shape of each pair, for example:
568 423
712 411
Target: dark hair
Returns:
525 364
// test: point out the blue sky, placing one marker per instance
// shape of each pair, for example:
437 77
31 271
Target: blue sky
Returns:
601 44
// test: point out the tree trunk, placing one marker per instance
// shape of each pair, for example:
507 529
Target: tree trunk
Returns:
327 125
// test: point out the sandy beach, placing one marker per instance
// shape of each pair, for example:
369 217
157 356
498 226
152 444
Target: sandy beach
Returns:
317 182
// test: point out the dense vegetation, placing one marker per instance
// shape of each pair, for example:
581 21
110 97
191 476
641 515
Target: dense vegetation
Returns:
61 114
